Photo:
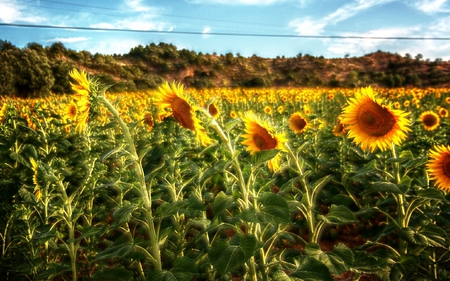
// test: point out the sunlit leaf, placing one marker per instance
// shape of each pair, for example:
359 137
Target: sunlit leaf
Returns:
221 203
338 215
183 270
384 186
311 269
225 257
263 156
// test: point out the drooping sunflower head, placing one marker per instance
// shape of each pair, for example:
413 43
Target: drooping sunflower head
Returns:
86 89
148 121
374 125
213 110
430 120
34 167
338 129
298 123
71 111
172 101
439 167
260 135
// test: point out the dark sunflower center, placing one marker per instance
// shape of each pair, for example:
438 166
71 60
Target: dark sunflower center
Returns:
182 112
446 165
429 120
375 120
213 110
299 123
264 141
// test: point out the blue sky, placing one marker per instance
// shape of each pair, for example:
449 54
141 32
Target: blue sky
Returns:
195 25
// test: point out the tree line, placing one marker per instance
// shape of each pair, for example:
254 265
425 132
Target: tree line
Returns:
37 70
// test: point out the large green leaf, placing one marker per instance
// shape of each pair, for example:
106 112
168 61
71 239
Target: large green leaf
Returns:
167 209
123 214
366 169
280 275
274 210
431 193
263 156
367 263
226 257
384 186
311 269
338 215
183 270
221 203
404 268
428 235
119 249
338 261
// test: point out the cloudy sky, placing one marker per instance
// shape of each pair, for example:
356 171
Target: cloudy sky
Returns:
267 28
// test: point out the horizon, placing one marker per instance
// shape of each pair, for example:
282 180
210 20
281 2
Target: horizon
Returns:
265 28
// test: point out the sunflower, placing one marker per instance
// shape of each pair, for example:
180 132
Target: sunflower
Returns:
268 109
298 123
34 167
430 120
82 98
213 110
233 114
260 135
439 166
173 102
3 112
443 112
372 124
338 129
148 120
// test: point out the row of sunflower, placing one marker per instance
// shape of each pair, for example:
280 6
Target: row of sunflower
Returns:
226 184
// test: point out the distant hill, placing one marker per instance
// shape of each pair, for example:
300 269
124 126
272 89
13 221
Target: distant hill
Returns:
36 70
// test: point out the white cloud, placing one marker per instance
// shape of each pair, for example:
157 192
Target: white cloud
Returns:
140 22
440 27
205 32
13 12
364 46
308 26
137 6
430 6
109 45
68 39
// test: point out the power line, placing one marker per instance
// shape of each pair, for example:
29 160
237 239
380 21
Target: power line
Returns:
225 33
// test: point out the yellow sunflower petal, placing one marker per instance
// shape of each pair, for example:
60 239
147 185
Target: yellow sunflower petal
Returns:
172 101
373 125
439 167
260 136
430 120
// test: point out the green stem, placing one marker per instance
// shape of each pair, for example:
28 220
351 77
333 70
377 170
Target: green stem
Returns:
309 206
243 187
71 226
400 199
154 241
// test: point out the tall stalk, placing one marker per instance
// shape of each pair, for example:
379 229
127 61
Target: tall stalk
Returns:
145 192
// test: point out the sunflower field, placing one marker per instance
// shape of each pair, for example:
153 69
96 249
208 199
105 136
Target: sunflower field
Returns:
225 184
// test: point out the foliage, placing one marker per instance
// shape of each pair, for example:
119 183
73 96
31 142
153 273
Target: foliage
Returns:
36 70
133 197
